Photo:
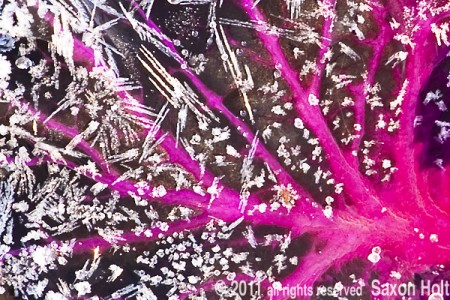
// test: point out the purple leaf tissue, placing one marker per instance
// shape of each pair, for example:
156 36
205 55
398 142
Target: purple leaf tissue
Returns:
225 149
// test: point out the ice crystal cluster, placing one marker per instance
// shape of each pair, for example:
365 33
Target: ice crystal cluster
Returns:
151 148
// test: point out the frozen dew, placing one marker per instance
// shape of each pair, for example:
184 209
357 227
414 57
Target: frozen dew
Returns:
23 63
434 238
277 285
328 211
436 296
376 250
375 257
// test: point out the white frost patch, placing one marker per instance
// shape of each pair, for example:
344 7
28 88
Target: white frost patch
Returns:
277 285
396 104
62 38
193 279
294 260
233 225
82 288
444 132
441 33
436 296
434 238
5 67
348 102
275 206
338 287
298 123
42 256
338 188
286 196
34 235
159 191
386 163
220 134
51 295
5 70
116 271
394 24
375 257
232 151
433 96
349 51
294 7
16 20
262 208
312 99
328 212
305 167
278 110
250 236
397 58
329 200
214 190
381 123
98 187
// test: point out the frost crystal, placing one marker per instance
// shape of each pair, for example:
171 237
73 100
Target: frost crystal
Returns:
151 149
